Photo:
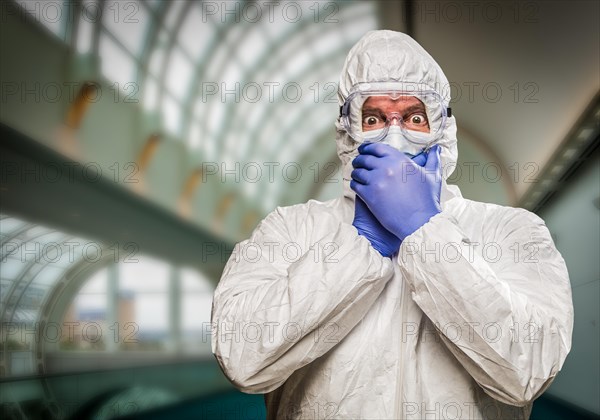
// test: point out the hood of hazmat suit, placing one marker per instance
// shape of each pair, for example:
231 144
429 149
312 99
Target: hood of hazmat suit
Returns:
387 56
471 319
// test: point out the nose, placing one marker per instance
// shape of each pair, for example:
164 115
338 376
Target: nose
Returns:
395 117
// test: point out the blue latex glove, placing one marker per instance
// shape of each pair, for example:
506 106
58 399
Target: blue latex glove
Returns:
420 159
402 195
368 226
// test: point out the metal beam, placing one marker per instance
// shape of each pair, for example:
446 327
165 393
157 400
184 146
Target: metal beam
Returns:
43 186
577 147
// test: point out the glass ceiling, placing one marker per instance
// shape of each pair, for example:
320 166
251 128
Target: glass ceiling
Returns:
235 81
34 259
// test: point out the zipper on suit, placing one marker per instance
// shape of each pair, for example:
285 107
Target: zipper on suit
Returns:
400 377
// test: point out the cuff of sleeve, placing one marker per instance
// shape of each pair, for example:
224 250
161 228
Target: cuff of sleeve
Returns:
443 227
429 240
345 244
361 242
438 260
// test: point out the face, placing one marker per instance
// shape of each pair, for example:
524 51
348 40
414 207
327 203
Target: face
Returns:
377 111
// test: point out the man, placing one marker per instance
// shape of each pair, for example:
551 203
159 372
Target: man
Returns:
407 301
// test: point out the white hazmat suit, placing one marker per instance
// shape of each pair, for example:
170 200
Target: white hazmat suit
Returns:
471 319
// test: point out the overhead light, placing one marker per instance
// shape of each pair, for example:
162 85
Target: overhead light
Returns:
547 183
556 170
584 134
569 153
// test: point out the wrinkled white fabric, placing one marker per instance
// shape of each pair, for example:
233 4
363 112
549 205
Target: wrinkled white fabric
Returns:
472 319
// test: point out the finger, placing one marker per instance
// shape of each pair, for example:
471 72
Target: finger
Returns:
433 159
357 188
361 175
364 161
375 149
359 204
420 159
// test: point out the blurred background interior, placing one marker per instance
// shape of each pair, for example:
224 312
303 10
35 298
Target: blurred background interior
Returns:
141 140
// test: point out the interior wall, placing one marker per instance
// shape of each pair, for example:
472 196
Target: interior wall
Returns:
573 218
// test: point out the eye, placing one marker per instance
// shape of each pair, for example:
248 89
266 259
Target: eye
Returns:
417 119
370 121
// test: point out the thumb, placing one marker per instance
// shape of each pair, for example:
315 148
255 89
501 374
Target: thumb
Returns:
359 205
361 211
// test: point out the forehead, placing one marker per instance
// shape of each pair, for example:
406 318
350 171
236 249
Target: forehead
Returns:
388 104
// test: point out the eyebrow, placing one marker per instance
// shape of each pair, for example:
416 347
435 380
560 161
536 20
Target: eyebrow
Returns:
409 110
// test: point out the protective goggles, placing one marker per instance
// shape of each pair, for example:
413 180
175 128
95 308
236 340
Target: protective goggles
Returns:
372 108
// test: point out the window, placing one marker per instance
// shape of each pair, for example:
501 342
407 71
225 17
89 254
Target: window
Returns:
143 304
196 304
131 311
85 322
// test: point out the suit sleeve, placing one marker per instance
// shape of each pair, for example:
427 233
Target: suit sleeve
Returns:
288 295
503 308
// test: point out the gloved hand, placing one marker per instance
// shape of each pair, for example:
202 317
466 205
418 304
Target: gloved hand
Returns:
400 193
368 226
420 159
